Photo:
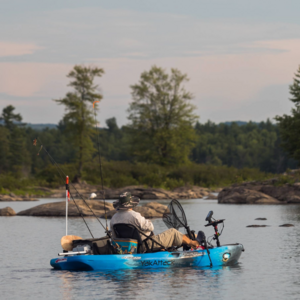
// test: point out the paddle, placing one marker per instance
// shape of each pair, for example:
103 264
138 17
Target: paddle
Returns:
67 241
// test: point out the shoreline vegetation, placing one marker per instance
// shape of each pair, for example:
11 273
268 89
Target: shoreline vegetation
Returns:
154 178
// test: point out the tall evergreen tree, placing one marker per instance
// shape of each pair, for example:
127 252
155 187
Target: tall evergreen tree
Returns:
9 117
16 154
289 125
162 117
78 120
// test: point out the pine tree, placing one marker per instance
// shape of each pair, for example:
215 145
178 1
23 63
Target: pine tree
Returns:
15 152
78 120
289 125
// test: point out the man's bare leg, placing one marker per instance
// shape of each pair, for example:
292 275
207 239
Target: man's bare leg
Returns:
189 242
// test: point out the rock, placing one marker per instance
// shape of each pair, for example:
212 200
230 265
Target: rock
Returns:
148 212
284 194
5 198
157 207
7 211
287 225
109 214
261 219
57 195
293 199
244 195
58 209
139 191
185 192
193 192
211 197
255 226
15 198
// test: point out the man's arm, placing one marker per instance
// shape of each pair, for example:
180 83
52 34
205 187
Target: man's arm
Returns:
144 224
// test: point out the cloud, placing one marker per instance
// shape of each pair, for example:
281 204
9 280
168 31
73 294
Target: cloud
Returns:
73 35
32 79
17 49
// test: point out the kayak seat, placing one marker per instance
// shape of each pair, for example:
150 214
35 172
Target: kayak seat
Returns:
129 231
123 230
98 245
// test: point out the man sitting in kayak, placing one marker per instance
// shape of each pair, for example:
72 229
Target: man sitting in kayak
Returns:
126 215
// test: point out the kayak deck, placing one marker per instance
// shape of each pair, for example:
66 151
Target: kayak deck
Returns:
224 255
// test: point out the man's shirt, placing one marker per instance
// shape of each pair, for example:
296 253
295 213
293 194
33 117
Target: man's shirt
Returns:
133 218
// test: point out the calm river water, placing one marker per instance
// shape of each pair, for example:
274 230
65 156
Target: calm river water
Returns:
268 269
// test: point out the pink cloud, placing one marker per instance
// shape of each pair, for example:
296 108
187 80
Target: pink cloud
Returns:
32 79
17 49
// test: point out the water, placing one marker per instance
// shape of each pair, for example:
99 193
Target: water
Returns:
269 268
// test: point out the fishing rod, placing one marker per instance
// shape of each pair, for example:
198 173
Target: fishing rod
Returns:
100 165
60 172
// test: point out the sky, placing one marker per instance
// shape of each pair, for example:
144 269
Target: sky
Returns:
240 55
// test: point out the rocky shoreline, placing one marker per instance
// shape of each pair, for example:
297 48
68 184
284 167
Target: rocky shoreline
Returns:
13 197
261 192
193 192
78 190
255 192
264 192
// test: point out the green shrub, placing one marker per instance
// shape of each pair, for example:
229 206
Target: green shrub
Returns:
123 173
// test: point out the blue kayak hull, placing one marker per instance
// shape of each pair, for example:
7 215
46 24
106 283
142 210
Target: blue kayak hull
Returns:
225 255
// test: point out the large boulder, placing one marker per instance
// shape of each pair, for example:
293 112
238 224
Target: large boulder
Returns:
267 190
211 197
58 209
191 192
147 212
139 191
7 212
160 208
242 195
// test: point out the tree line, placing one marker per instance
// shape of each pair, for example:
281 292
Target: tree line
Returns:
163 135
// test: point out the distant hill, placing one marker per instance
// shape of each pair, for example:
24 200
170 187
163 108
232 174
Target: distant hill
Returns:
240 123
34 126
41 126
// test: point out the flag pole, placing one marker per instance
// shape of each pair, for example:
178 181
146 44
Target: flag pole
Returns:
67 200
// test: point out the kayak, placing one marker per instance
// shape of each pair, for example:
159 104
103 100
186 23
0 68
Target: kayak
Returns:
220 256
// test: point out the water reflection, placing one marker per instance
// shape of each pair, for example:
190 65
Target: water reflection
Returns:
67 279
132 284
